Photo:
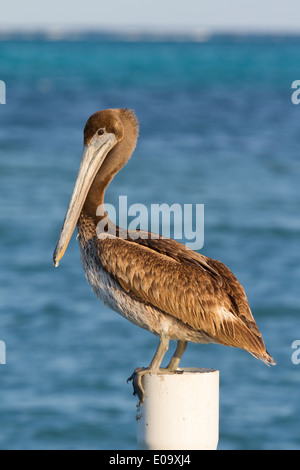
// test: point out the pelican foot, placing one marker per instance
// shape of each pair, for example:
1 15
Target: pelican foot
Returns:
136 379
177 371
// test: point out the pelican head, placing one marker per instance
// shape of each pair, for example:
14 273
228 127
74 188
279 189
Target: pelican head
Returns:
109 139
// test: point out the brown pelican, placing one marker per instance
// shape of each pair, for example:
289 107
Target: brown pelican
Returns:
156 283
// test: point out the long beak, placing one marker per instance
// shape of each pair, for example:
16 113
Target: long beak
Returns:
93 156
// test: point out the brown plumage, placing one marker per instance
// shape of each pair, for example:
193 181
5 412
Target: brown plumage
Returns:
157 283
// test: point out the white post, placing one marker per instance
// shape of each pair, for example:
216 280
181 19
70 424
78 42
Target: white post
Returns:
2 92
180 411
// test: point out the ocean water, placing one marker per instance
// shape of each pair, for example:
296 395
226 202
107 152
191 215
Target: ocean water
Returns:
217 128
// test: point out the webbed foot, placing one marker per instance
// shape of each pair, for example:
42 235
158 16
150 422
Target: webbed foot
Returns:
136 379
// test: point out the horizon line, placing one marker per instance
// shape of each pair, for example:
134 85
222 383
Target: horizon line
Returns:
147 29
138 33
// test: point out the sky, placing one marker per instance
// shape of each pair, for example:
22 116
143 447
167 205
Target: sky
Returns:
211 15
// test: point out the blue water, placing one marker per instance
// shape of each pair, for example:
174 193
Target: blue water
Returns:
217 128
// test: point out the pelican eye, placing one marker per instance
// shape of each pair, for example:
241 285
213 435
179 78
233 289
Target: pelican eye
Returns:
101 131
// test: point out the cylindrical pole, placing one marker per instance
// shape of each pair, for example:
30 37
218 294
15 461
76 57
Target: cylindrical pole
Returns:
180 411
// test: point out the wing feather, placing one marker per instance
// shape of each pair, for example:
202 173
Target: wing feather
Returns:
200 292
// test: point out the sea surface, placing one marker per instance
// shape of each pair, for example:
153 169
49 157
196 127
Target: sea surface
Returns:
217 127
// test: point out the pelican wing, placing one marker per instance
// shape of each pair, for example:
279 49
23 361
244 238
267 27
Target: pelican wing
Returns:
200 292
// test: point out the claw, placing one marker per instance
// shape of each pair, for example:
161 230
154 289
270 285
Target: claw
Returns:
136 379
